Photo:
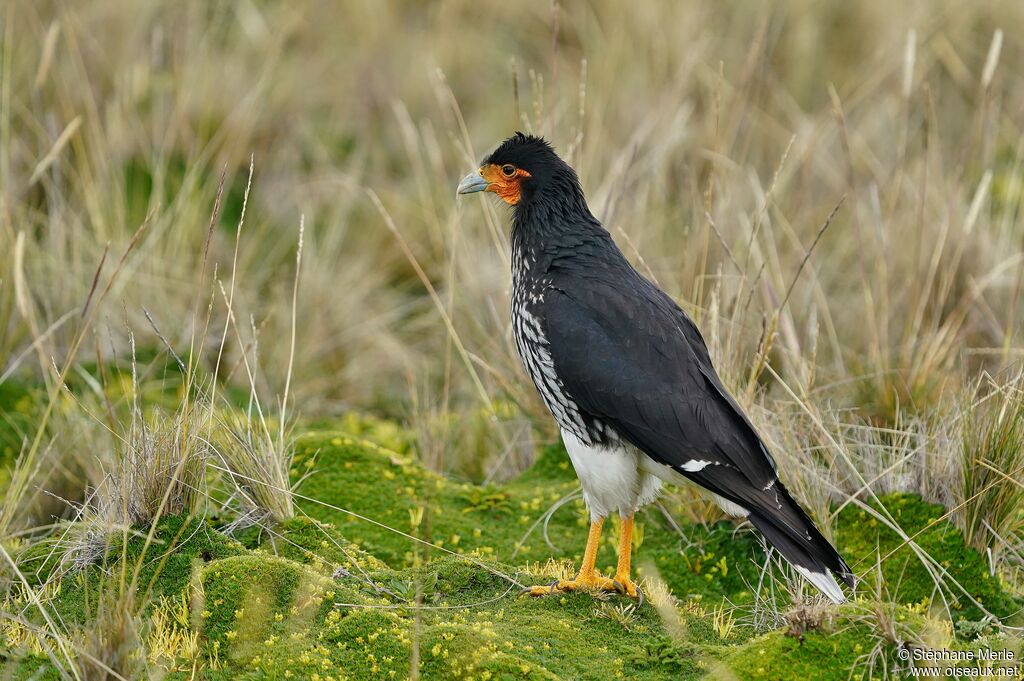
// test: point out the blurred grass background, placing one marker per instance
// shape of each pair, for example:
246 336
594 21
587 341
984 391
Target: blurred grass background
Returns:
224 225
713 139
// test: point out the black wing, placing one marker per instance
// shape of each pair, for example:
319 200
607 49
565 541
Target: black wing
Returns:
628 355
631 357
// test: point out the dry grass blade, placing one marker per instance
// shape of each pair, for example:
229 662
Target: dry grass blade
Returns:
112 647
807 255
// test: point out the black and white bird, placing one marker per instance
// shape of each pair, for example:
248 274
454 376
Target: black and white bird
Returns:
627 376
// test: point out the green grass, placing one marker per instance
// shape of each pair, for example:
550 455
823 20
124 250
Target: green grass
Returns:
17 407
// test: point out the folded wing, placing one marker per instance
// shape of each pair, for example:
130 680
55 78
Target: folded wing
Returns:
630 357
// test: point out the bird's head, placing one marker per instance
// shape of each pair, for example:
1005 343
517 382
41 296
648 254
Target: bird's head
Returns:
521 170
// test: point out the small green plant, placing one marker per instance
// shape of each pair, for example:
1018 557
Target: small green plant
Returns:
661 653
969 630
623 614
723 621
486 499
410 589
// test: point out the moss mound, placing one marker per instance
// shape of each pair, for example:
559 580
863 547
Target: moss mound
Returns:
834 654
902 576
378 497
167 563
367 585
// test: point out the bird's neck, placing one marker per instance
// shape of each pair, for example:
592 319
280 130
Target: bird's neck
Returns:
547 220
546 232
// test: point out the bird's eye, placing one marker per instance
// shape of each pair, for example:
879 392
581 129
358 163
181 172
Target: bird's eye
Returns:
508 170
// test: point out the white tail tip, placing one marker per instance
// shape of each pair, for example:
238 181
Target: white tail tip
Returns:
825 582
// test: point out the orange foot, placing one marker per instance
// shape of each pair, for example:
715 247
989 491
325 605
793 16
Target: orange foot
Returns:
592 581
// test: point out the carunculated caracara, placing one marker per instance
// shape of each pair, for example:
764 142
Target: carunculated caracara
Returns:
627 376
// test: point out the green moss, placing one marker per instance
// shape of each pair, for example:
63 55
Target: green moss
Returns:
264 616
167 564
38 560
825 655
262 587
354 485
310 541
362 481
713 562
26 668
342 473
904 578
367 643
473 622
366 484
552 465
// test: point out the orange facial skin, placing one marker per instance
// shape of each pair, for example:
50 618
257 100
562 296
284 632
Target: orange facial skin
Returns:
506 186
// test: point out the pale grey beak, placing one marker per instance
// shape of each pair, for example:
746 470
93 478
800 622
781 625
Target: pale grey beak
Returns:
474 182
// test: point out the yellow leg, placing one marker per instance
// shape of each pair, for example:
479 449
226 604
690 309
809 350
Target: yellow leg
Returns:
588 577
625 552
590 553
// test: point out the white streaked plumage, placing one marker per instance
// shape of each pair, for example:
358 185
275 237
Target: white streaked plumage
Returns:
534 350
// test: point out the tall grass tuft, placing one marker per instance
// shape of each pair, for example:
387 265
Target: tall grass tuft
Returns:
161 470
258 465
992 481
111 647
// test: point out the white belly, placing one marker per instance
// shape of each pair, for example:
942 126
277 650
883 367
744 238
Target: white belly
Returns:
611 476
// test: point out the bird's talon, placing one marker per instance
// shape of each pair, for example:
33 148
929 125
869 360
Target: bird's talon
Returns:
540 590
640 598
627 587
547 589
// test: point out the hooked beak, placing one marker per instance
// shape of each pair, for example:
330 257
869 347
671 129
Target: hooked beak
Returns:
472 183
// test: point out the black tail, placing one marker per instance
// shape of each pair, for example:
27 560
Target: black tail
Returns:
789 530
